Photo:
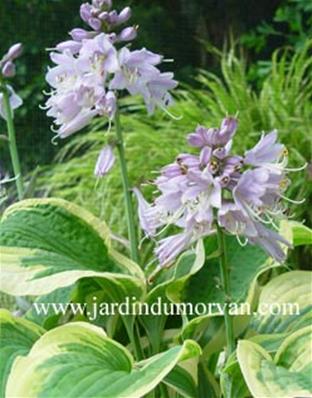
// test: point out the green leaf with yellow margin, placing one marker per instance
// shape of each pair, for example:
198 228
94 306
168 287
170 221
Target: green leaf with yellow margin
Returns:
290 296
17 336
47 244
78 359
288 376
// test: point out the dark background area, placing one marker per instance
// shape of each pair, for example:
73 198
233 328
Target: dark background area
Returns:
178 29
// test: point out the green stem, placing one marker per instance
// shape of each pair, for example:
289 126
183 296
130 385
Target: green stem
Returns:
12 144
132 235
134 340
225 279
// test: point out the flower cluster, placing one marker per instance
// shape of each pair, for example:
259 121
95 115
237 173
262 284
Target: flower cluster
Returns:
241 193
92 66
8 70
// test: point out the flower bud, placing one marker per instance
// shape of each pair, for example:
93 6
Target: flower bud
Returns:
128 34
8 70
85 11
14 52
105 161
103 16
95 23
113 18
227 130
102 4
124 15
79 34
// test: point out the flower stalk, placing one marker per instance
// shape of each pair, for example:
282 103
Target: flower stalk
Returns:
12 144
132 235
225 280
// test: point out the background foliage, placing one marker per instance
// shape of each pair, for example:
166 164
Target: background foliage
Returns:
174 28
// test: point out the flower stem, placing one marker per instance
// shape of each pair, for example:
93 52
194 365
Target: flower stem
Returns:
132 235
225 279
12 144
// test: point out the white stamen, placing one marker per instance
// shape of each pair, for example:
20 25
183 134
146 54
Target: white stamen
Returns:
53 140
171 114
242 243
296 202
296 168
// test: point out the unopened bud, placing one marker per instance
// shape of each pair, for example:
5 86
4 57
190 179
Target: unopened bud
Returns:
124 16
15 51
8 70
95 23
103 16
85 11
128 34
107 4
113 17
79 34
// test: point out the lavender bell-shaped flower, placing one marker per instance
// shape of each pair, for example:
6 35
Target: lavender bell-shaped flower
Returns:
242 194
265 152
105 161
89 70
169 248
271 242
15 101
148 214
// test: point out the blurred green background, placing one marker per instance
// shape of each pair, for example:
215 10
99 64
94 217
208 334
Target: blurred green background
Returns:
179 29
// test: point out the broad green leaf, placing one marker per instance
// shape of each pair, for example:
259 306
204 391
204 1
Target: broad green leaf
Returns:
17 336
295 353
78 359
50 243
302 235
232 382
245 264
290 292
47 310
270 342
188 264
268 379
181 381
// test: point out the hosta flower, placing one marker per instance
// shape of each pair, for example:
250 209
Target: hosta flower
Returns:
7 66
92 66
266 153
105 161
242 194
15 101
138 74
7 70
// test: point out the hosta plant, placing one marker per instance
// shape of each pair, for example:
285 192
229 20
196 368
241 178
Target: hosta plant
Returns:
201 319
